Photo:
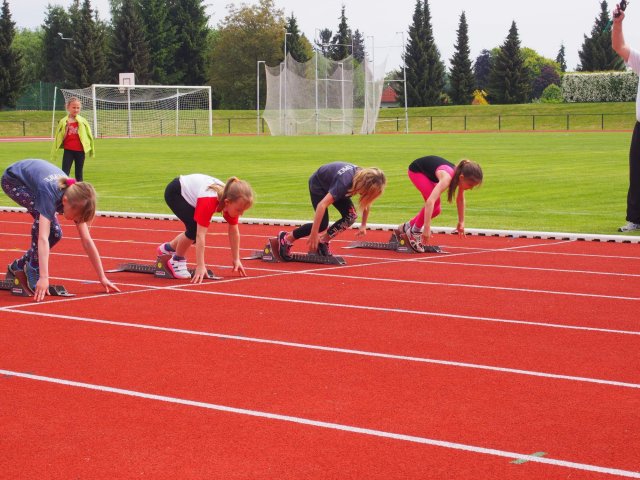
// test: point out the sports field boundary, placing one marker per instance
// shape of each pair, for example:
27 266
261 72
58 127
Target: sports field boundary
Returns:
481 232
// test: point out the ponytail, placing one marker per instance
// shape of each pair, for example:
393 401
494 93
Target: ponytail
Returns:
235 189
470 170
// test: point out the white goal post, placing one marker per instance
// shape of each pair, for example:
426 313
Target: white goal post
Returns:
145 110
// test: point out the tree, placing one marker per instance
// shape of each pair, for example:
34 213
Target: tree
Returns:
482 69
415 61
434 75
342 39
11 74
56 27
509 82
190 21
85 59
462 79
246 35
560 59
29 44
324 42
297 45
358 46
541 71
160 35
548 76
129 49
597 54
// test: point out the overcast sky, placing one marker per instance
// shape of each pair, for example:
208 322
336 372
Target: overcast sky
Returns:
543 25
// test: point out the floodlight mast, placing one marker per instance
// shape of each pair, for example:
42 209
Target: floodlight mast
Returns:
404 83
258 94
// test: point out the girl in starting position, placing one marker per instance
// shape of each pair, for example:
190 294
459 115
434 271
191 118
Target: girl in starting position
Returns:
433 175
335 183
194 199
44 190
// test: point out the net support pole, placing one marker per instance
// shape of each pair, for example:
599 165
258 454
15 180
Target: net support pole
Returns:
95 111
317 112
177 109
210 113
53 115
129 126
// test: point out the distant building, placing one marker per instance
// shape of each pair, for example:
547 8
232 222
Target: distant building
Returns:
389 98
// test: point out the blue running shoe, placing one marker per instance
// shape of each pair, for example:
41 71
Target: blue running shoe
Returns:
284 246
33 275
324 250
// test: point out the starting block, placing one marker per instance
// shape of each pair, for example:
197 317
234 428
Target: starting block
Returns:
271 253
159 269
19 286
397 243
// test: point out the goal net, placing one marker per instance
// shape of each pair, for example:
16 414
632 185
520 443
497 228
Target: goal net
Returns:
145 110
323 96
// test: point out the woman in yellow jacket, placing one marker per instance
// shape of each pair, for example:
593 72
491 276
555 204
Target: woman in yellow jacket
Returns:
73 134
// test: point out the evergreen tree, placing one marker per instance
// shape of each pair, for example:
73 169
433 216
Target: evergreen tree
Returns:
85 59
358 46
160 34
482 70
509 81
342 39
295 45
129 49
597 54
190 21
324 42
434 75
415 61
56 26
11 74
561 59
462 79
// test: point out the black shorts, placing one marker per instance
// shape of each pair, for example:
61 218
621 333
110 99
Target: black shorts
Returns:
181 208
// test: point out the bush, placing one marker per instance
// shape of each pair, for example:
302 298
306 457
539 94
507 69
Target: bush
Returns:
600 87
552 94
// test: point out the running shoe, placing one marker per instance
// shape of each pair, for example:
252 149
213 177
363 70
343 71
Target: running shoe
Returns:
415 239
629 227
33 275
324 250
178 268
165 249
284 246
13 267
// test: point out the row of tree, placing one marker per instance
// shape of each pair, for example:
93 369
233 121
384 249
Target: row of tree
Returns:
170 42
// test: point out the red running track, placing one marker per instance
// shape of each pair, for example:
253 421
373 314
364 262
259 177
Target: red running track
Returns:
394 366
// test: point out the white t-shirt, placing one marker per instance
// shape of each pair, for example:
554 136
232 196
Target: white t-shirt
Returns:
197 186
634 63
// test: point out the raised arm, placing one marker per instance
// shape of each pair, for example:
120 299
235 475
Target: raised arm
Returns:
617 36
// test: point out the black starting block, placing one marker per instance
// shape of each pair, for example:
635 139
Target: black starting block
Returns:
159 269
19 286
397 243
271 253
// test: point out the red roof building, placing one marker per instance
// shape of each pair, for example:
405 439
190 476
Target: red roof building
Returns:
389 98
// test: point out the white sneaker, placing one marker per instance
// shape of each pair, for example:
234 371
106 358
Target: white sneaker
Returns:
629 227
178 268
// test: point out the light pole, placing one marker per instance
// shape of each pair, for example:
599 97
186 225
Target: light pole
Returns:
404 83
286 34
258 94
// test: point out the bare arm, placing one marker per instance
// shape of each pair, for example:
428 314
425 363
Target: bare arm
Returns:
234 241
42 286
617 36
201 244
317 219
460 205
94 257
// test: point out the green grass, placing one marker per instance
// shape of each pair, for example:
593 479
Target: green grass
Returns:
535 116
570 182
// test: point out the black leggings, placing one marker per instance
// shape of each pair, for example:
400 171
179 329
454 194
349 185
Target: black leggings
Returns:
182 209
633 195
68 158
344 206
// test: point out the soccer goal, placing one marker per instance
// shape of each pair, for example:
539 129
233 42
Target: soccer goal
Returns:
145 110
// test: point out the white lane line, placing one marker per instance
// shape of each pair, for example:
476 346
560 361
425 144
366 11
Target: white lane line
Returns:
327 425
346 351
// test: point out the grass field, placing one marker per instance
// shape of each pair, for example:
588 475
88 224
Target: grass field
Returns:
569 182
535 116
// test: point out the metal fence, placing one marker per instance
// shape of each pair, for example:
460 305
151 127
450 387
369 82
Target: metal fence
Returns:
417 124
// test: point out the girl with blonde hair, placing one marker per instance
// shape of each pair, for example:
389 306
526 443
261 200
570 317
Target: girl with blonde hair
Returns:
334 184
194 199
46 191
